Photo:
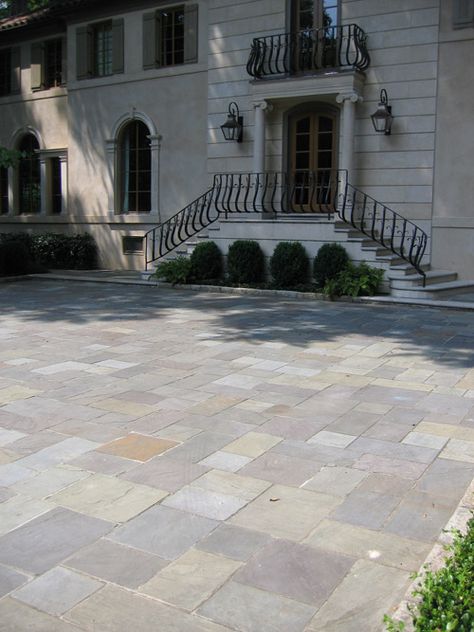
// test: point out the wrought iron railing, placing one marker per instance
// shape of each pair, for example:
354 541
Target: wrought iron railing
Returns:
308 51
275 194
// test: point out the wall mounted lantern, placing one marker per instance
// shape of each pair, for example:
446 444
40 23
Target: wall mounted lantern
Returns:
233 127
382 118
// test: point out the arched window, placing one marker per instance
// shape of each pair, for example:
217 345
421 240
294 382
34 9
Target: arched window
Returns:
29 180
135 168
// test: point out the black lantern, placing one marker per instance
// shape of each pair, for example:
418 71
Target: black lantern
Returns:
382 118
232 128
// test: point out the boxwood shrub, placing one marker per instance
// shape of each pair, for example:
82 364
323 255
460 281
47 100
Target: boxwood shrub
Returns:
15 258
330 260
245 262
206 262
289 265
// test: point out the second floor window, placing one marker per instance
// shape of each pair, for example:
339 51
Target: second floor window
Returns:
47 64
9 71
102 49
170 36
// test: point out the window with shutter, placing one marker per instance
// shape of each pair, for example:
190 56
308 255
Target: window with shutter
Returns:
5 72
170 36
463 13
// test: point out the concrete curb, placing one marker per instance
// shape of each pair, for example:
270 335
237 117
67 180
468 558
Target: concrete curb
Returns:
436 557
241 291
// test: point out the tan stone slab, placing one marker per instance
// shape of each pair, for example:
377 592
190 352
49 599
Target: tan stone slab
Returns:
333 377
467 381
458 450
191 579
361 600
113 609
254 405
414 375
7 456
214 405
14 393
446 430
20 509
124 407
222 482
286 512
383 548
407 386
376 409
378 349
252 444
108 498
137 447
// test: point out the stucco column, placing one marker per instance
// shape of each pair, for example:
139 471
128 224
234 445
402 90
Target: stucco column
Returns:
44 185
155 148
348 101
110 145
259 135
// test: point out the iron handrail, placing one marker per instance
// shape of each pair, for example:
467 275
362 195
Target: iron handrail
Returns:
275 193
308 51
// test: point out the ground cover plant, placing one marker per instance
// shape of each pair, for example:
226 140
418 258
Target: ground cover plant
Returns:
174 271
354 280
446 596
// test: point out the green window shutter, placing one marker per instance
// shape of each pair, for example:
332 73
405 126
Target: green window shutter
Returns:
63 60
36 67
150 40
15 57
191 28
463 13
84 52
117 46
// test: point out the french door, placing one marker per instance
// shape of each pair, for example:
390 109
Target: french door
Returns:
312 146
314 34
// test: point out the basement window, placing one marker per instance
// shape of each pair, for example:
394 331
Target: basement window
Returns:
132 245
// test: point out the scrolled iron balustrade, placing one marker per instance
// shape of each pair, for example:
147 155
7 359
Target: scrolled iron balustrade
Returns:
308 51
275 194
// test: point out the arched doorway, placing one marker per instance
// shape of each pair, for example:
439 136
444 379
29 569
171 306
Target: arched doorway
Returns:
134 162
312 159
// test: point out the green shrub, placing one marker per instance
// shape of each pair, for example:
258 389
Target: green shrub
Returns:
206 262
447 595
56 250
245 262
330 260
14 258
174 271
361 280
289 265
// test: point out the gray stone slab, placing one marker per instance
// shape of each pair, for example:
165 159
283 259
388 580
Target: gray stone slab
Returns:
165 473
296 571
18 617
367 509
164 531
103 463
36 441
9 580
205 503
395 450
234 542
116 563
200 446
279 468
249 609
446 478
57 591
45 541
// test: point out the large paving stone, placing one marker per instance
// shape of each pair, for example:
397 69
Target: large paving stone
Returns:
138 447
296 571
366 509
57 591
113 609
205 503
279 468
339 481
164 531
234 542
10 579
119 564
16 616
421 516
45 541
248 609
165 473
361 600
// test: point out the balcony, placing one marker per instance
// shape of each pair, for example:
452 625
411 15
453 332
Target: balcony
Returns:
309 52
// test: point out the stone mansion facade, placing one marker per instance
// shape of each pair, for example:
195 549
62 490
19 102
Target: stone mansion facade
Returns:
118 107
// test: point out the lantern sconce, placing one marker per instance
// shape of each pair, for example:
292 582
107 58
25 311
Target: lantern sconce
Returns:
382 118
233 127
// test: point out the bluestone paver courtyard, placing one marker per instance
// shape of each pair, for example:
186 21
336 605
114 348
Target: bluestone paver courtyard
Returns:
182 461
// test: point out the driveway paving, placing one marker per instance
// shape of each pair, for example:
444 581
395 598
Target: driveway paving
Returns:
201 462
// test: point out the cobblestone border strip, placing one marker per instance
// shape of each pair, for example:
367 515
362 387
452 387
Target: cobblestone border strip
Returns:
437 555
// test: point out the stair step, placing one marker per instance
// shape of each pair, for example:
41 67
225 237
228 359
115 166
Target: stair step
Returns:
433 278
435 291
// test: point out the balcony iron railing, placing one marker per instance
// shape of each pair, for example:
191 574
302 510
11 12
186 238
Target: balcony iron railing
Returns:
309 51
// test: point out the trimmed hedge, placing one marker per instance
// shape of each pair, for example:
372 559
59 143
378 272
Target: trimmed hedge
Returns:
15 258
245 262
71 252
330 260
289 265
206 262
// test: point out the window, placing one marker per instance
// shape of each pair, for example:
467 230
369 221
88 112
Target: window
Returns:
9 71
170 36
47 64
29 181
56 185
132 245
135 168
100 49
463 13
3 190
